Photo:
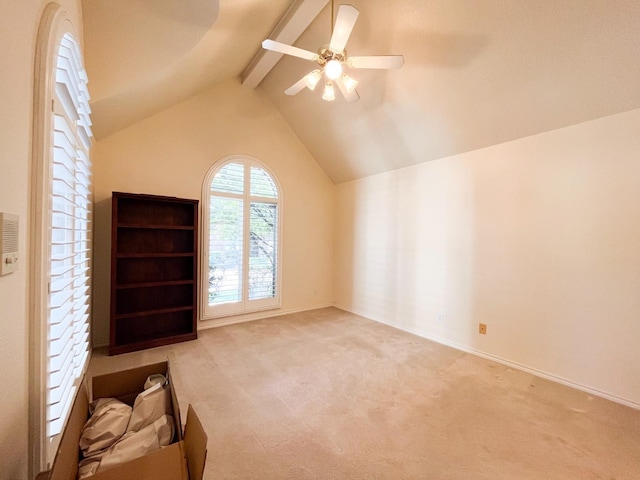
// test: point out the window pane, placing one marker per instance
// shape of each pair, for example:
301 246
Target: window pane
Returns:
225 250
243 271
262 184
230 179
263 250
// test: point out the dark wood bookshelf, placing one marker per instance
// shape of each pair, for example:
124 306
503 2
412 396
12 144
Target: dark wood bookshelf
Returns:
154 274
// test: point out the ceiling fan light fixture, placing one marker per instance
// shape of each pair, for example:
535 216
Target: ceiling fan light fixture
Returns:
312 79
333 69
349 83
329 94
332 57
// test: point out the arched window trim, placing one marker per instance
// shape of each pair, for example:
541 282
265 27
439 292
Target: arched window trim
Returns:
55 24
247 306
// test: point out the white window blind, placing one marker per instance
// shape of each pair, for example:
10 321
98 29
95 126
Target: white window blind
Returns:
243 239
70 255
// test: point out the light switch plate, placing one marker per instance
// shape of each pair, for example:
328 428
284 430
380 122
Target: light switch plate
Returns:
8 243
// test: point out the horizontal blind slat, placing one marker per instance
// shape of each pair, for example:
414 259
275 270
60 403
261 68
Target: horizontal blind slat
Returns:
263 227
69 270
229 179
225 249
262 184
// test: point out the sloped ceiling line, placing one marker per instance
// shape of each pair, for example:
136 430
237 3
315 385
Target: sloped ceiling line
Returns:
476 74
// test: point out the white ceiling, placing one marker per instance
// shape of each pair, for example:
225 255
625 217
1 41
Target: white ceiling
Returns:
143 56
476 73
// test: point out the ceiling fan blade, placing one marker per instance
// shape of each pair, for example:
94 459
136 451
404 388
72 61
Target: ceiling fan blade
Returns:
350 97
377 61
288 50
296 87
345 21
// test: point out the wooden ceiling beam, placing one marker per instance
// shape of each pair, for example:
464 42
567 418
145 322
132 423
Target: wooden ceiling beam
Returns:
292 24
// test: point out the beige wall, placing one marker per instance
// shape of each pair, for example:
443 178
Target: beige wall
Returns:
170 153
19 23
538 238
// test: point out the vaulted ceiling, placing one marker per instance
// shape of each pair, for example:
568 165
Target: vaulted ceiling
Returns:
477 72
143 56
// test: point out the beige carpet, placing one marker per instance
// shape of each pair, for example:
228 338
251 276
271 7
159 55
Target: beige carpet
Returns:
330 395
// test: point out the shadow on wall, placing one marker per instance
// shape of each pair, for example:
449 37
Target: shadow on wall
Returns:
12 466
406 250
101 273
535 238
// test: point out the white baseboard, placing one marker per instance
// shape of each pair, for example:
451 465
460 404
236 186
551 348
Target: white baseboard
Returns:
221 322
503 361
250 317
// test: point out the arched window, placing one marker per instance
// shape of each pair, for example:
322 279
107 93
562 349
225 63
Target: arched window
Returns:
241 243
61 244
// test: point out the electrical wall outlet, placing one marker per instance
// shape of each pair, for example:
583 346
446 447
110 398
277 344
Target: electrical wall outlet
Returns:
483 329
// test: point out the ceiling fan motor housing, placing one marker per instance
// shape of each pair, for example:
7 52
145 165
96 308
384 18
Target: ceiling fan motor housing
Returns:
325 54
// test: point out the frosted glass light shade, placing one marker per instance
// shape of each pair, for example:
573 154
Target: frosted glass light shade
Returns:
349 83
329 94
312 79
333 69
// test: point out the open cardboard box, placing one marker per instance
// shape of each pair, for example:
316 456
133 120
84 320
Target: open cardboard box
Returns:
184 459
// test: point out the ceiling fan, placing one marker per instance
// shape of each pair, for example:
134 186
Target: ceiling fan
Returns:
332 59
